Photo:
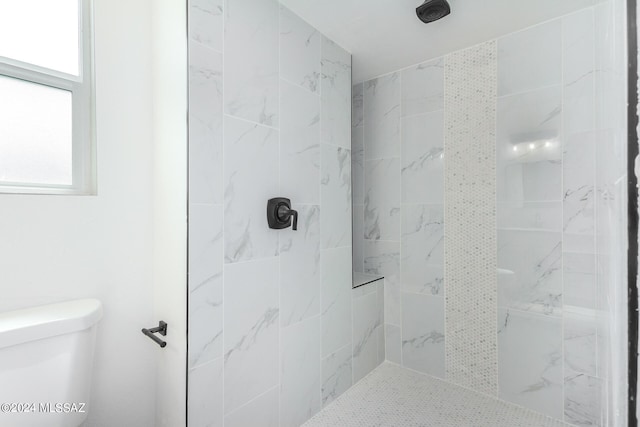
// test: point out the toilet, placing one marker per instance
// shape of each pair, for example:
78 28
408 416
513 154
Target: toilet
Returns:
46 361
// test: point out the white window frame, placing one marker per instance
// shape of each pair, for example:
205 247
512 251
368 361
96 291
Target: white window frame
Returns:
83 112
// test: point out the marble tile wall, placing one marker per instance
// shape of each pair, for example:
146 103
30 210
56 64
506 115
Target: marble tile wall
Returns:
607 390
546 219
275 330
368 348
398 207
559 154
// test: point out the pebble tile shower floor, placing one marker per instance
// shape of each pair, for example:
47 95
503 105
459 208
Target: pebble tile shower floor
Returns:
392 396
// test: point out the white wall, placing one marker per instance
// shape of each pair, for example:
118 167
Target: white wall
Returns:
58 247
169 56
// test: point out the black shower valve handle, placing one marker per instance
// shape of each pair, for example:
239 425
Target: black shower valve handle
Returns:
285 213
295 219
280 215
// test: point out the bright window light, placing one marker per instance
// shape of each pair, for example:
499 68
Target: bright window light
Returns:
41 32
46 97
35 133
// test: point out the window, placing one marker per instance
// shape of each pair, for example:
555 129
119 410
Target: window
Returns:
46 90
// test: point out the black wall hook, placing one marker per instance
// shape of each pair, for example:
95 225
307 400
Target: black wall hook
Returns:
280 214
161 329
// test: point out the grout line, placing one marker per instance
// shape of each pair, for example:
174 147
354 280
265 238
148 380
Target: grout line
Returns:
244 405
533 90
231 116
400 263
563 119
422 114
299 86
205 46
225 11
495 220
279 235
445 103
252 260
532 313
321 253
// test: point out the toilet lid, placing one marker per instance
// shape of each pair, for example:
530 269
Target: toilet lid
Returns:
30 324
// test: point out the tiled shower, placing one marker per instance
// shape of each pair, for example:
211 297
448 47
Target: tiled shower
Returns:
476 196
483 186
270 311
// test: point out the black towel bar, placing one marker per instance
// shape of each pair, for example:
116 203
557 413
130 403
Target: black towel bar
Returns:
161 328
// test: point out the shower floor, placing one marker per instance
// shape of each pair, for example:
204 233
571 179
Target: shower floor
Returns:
394 396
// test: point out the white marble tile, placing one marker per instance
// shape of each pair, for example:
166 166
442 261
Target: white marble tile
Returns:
251 60
393 343
532 263
251 330
336 374
205 245
529 155
579 105
382 219
423 334
249 181
336 187
205 283
579 184
365 337
581 241
423 158
206 22
357 164
300 388
357 99
381 344
366 288
263 408
583 400
300 273
299 144
610 165
423 87
380 295
336 94
300 45
205 125
606 338
605 260
423 249
535 342
530 215
578 243
204 407
358 238
610 75
580 342
382 117
336 299
579 279
530 59
383 258
578 71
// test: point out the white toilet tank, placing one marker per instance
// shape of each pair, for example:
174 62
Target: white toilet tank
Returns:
46 361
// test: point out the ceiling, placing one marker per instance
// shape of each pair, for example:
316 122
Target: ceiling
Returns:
386 35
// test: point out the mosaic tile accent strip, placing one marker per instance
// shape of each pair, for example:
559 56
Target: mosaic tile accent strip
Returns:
396 396
470 218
